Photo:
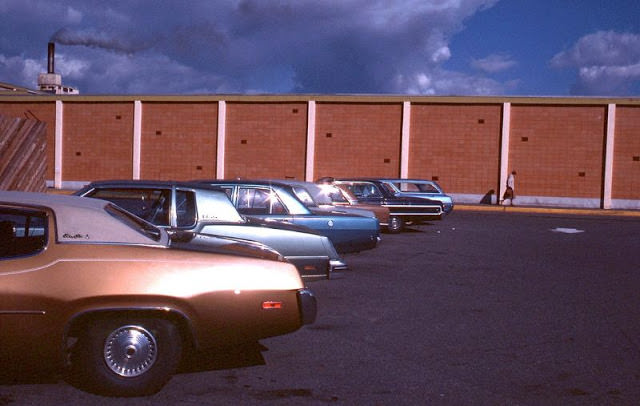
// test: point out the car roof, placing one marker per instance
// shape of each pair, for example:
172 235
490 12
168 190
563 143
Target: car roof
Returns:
80 219
148 183
261 182
357 179
411 180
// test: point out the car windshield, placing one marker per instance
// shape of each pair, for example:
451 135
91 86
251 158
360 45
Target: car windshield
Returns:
141 226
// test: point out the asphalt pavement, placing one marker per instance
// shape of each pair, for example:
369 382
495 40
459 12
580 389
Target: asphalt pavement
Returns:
491 306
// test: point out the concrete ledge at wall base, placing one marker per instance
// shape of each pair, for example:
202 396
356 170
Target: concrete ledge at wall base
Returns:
548 210
545 201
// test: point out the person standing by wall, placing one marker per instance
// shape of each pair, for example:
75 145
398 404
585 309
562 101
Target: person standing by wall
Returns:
510 193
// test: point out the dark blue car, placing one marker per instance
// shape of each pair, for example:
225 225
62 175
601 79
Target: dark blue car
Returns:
421 188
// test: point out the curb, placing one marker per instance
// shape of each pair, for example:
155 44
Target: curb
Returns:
548 210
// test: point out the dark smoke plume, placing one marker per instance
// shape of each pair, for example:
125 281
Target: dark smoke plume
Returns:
94 39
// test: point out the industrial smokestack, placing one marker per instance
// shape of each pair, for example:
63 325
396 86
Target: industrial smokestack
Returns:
51 82
51 57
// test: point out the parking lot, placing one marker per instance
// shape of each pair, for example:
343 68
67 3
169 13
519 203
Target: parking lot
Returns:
482 308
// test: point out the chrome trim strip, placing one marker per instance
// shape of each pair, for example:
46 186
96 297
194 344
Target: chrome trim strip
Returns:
416 213
36 312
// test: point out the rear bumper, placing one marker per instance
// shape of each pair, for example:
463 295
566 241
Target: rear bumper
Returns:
308 306
336 269
337 265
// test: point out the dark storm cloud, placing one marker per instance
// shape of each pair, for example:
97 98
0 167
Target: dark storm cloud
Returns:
199 46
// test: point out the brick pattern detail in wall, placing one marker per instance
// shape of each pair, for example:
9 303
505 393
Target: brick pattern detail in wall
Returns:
178 141
558 150
98 141
626 167
266 140
45 112
358 139
456 145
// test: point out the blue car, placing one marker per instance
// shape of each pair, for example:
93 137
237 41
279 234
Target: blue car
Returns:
275 201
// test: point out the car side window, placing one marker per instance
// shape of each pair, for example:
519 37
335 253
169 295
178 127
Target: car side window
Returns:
259 201
152 205
22 232
427 188
185 208
364 190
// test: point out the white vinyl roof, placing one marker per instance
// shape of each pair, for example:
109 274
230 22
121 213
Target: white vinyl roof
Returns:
81 219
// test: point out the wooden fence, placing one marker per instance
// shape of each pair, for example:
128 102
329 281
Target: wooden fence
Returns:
23 154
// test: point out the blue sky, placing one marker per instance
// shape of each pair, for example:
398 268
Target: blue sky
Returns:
437 47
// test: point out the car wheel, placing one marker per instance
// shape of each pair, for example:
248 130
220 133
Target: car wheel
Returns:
125 357
396 224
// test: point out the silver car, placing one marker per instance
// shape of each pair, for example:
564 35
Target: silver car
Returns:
183 206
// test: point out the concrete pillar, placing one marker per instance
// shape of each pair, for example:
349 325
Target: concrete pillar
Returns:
608 156
504 148
406 135
311 142
222 134
137 138
57 176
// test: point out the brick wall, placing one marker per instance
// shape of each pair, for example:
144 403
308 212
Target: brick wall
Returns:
558 150
626 168
178 141
97 141
556 146
266 140
356 139
457 145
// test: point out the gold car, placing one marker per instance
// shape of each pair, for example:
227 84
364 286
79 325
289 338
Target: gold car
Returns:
87 285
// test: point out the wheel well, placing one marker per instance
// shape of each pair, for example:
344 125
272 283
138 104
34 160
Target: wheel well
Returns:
79 322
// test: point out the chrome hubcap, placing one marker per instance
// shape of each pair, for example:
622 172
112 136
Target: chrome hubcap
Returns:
130 351
394 223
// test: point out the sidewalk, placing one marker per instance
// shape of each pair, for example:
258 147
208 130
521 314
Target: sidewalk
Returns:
547 210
